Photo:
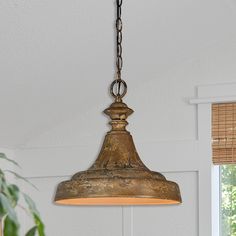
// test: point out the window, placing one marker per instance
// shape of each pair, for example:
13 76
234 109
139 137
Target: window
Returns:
228 200
224 155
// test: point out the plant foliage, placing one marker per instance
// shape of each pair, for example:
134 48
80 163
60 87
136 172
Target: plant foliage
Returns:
228 200
9 197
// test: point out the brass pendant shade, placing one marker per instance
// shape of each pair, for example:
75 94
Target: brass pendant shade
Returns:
118 176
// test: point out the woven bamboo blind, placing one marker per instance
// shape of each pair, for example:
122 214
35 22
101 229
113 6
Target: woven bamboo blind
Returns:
224 133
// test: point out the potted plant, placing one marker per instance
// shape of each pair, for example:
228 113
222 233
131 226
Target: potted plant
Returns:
10 194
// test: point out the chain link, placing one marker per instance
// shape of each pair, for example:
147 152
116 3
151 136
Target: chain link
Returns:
119 59
118 88
118 85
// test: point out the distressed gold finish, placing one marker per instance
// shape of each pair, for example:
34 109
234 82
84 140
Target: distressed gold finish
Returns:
118 176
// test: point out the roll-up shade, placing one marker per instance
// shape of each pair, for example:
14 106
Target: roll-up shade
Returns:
224 133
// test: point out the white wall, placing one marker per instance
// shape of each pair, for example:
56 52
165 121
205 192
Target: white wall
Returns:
56 63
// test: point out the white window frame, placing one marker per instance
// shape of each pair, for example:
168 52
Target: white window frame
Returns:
209 197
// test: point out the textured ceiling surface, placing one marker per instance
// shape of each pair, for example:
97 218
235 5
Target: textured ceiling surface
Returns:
57 57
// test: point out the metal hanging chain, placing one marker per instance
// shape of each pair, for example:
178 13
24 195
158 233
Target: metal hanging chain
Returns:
119 83
119 59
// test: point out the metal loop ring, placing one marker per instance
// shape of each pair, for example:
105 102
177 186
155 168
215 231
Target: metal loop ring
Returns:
119 2
119 84
119 25
119 50
119 62
119 37
119 11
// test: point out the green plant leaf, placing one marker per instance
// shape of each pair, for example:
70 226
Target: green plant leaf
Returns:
6 192
2 210
31 204
32 231
40 225
21 178
10 227
1 173
9 197
1 184
2 178
33 210
10 211
4 157
14 192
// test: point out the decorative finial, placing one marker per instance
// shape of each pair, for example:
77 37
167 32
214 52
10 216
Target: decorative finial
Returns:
118 112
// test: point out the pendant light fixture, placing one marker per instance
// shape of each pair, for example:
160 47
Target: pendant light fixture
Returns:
118 176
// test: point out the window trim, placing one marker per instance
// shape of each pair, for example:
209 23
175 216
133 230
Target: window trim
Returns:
206 96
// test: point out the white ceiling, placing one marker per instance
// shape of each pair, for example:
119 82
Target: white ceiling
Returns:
57 57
